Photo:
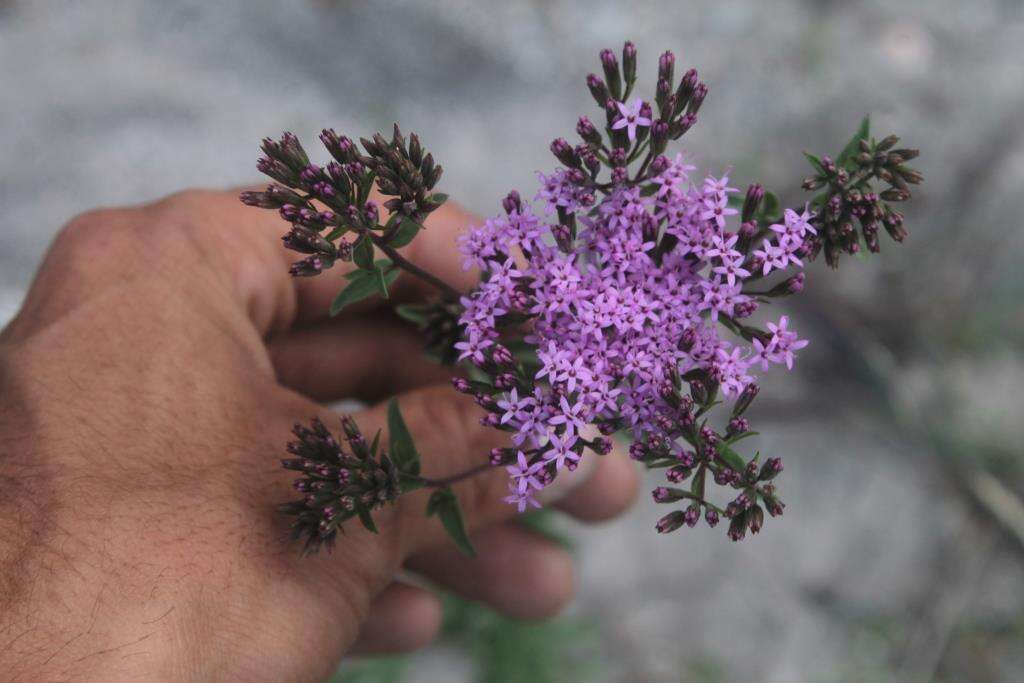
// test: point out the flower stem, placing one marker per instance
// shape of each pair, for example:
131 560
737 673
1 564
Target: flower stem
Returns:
455 478
447 291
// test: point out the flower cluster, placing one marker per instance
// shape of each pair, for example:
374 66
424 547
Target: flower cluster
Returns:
638 295
630 300
336 485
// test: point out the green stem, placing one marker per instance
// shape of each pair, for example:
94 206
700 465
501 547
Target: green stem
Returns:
455 478
447 291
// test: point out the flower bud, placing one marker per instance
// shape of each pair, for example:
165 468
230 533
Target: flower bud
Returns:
601 445
502 355
738 425
638 450
699 93
598 89
692 515
678 474
711 517
505 381
610 65
755 519
587 131
564 152
747 397
502 456
887 143
699 392
755 193
686 458
629 61
512 203
307 267
687 339
659 138
659 164
686 87
670 522
769 470
738 527
666 65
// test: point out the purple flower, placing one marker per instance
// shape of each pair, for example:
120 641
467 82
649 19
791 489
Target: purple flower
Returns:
572 415
523 475
473 347
561 452
630 117
784 342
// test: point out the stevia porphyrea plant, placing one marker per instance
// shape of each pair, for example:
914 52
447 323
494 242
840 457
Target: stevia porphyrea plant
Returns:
626 299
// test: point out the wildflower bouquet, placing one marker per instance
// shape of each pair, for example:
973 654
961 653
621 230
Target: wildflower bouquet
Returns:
626 299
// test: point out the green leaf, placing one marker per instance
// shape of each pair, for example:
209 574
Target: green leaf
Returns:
697 484
771 208
384 278
816 163
367 519
362 284
414 313
406 232
362 252
445 505
403 450
731 458
438 198
854 144
740 437
376 444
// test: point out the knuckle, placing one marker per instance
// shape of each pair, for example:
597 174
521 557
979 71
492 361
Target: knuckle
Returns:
88 229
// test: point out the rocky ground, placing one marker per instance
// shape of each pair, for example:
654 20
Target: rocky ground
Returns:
892 562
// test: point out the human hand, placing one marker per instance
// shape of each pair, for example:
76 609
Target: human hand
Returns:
162 354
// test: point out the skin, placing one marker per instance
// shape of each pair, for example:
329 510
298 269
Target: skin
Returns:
147 388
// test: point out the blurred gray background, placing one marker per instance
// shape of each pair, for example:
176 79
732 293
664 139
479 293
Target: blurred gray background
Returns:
900 554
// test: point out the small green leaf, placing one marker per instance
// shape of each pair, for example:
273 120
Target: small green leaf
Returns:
403 450
383 279
362 252
414 313
361 285
376 444
406 233
438 198
445 505
740 437
816 163
697 484
771 207
854 144
731 458
367 520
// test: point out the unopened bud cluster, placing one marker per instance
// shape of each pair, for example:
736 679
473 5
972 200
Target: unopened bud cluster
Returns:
323 204
853 211
335 484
